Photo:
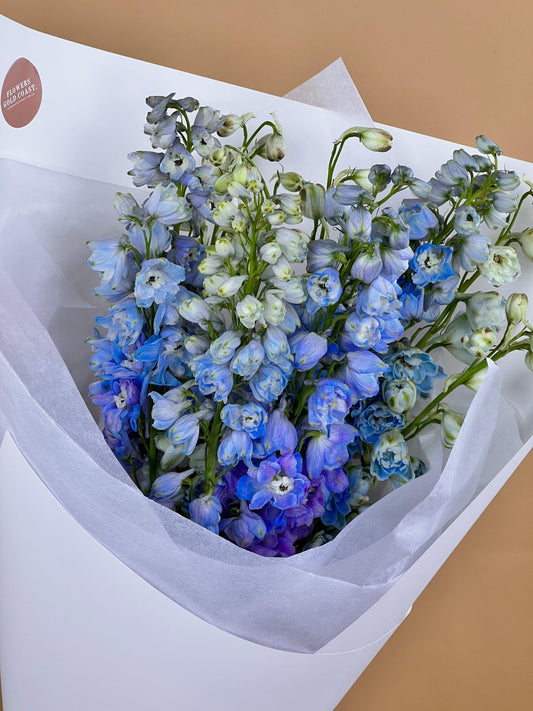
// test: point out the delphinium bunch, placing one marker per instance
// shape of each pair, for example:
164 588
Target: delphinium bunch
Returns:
267 354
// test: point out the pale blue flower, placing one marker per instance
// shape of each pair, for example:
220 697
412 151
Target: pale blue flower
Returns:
184 433
376 419
324 288
280 434
419 218
223 348
167 206
268 383
158 282
247 359
466 221
145 169
362 373
166 489
250 418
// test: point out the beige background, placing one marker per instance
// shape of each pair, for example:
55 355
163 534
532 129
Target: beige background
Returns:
448 68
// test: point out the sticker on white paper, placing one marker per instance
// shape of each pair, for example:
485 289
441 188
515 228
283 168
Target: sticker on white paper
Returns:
21 93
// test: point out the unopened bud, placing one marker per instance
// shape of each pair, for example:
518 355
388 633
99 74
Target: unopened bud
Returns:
291 181
525 240
271 147
375 139
231 123
516 308
450 425
312 204
529 360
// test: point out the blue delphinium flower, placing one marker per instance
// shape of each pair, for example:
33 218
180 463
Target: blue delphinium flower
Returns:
268 383
390 457
245 528
324 288
329 403
376 419
329 450
362 373
157 282
250 418
166 489
419 217
416 365
206 510
431 263
247 359
212 379
308 349
236 446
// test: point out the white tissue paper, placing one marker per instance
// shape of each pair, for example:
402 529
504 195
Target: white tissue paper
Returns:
107 599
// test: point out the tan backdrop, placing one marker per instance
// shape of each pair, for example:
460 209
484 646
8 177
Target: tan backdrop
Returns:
448 68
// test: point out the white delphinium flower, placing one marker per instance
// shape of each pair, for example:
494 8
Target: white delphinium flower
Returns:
502 266
293 244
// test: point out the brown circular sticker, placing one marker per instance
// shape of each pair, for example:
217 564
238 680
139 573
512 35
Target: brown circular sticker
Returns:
21 93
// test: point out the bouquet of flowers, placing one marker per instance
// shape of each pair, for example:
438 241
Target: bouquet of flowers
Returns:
267 358
273 367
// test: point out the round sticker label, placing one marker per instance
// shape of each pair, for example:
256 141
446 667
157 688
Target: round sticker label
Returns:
21 93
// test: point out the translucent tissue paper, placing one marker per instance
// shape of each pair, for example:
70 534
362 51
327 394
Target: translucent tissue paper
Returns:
52 203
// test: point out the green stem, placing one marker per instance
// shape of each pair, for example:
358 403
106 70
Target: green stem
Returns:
211 448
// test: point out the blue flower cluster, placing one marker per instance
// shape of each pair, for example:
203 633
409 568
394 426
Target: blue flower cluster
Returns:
258 368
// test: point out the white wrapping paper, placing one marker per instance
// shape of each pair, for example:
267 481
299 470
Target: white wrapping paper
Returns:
46 308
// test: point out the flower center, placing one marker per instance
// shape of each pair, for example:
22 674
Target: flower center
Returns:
282 484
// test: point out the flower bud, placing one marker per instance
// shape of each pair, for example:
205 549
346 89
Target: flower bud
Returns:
367 267
525 240
222 183
506 180
450 425
475 381
529 360
291 181
270 252
210 265
271 147
379 176
503 202
485 145
312 204
231 123
399 394
516 308
231 286
224 247
375 139
249 310
360 177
